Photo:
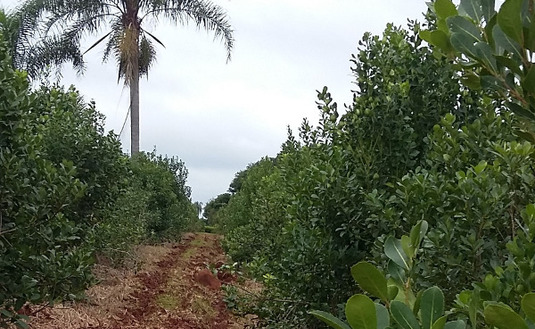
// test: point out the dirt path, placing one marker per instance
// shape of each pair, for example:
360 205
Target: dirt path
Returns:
175 288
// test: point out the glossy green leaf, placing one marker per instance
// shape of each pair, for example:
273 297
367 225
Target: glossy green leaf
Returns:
403 315
361 313
370 279
440 322
487 7
521 111
463 44
528 305
418 233
526 135
330 320
511 64
407 246
472 8
506 43
510 19
480 167
528 82
529 39
431 306
445 8
392 291
503 317
383 317
459 324
490 82
461 25
440 39
484 53
394 251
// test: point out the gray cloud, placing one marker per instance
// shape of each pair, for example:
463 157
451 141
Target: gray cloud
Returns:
219 117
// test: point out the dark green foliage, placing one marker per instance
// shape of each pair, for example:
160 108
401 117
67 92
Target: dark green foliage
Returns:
212 208
414 145
42 257
67 193
169 210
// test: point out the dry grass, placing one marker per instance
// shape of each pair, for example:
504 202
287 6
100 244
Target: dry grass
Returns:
104 299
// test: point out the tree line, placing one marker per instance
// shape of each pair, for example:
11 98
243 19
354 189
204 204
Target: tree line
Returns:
438 135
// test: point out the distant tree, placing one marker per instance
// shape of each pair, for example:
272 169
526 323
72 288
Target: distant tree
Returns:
67 22
237 182
213 206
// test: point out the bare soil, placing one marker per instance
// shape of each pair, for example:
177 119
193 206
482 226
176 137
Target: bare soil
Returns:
176 286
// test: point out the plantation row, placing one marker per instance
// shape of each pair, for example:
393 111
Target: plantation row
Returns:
423 181
68 194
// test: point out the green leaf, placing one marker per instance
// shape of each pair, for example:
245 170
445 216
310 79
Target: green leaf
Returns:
383 317
461 25
441 40
472 8
510 19
503 317
440 322
392 291
361 313
403 315
459 324
407 246
510 64
484 53
418 232
529 41
490 82
432 306
471 80
370 279
22 324
445 9
528 82
521 111
394 251
528 305
526 135
330 319
488 9
504 42
480 167
396 272
463 44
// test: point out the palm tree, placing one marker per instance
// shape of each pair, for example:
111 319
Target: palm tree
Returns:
60 26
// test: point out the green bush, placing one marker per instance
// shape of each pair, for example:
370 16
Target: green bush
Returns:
42 255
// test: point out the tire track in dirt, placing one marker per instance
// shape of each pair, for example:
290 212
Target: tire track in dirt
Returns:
176 291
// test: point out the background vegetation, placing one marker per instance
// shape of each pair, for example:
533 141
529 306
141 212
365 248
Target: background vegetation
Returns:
417 143
68 194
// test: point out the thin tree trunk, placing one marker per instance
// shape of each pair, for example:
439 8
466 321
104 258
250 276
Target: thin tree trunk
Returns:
134 103
134 112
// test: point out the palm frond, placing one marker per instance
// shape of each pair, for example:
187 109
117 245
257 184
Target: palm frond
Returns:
204 14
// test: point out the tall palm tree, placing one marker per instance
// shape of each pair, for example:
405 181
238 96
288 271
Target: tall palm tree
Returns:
60 26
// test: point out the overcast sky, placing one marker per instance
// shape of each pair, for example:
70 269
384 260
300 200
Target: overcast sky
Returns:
219 117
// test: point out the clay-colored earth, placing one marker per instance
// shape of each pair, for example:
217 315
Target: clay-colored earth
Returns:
173 288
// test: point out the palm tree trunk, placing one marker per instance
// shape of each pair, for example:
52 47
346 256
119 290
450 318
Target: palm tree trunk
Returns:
134 112
134 102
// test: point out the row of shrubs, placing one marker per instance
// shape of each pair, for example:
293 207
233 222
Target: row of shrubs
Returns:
69 193
415 144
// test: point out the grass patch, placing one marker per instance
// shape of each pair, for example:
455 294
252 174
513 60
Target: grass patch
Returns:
199 242
202 307
167 302
188 253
